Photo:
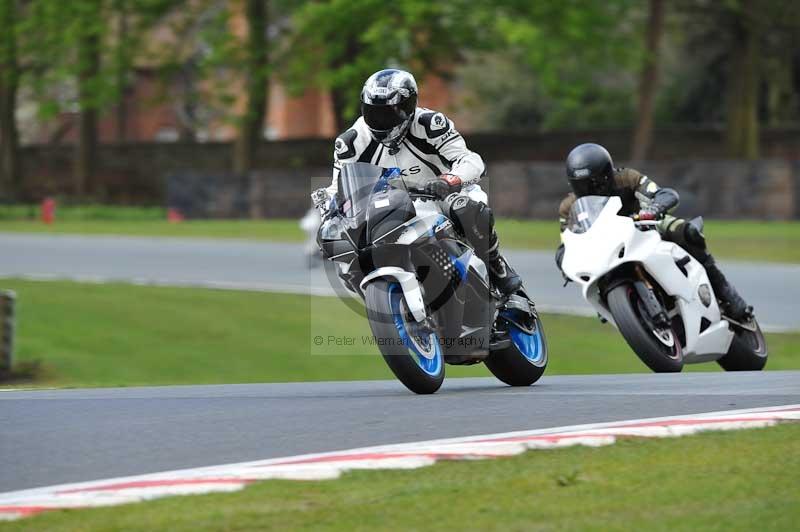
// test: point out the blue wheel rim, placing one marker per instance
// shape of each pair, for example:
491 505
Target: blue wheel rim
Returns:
531 345
432 366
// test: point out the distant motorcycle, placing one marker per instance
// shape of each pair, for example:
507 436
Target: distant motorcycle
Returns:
309 223
657 294
428 296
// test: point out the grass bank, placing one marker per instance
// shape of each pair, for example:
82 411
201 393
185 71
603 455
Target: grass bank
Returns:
743 480
122 335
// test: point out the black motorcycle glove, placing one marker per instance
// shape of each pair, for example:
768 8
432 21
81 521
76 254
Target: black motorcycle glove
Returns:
663 201
443 186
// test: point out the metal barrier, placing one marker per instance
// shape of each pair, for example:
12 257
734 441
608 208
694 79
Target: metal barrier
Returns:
7 301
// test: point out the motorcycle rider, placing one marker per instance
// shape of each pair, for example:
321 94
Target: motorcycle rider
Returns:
393 132
591 171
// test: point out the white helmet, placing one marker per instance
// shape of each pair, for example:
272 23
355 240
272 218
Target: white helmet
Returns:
388 102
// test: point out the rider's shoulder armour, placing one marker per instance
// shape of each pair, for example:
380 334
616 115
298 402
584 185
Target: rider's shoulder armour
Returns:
435 123
627 178
345 145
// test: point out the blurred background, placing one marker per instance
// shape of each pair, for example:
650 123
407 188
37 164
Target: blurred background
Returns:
216 118
224 108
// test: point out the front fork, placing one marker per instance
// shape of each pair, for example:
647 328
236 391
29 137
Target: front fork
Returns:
652 306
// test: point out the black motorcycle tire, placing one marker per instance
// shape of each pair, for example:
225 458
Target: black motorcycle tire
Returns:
394 353
622 305
748 351
510 365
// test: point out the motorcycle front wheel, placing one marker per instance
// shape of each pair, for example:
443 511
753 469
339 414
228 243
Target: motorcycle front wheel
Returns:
659 349
411 349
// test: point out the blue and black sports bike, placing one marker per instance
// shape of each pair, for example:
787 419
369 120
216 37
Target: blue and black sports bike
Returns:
428 297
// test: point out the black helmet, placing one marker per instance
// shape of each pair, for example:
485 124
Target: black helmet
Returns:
388 102
590 170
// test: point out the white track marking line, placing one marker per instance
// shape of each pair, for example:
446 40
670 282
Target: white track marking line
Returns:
317 466
26 389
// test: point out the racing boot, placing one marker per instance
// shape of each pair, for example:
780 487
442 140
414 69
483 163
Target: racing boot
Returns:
501 273
733 305
690 236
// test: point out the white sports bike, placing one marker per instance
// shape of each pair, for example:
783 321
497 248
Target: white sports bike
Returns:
657 295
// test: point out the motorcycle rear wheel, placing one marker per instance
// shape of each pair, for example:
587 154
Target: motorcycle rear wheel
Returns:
623 303
523 362
411 350
748 351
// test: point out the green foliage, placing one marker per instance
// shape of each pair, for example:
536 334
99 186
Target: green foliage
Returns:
338 44
8 42
60 40
582 54
702 40
566 48
542 64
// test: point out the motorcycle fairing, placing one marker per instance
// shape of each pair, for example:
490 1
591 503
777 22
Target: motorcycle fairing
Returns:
614 241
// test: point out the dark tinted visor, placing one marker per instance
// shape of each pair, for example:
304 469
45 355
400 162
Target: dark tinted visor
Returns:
591 185
582 187
382 117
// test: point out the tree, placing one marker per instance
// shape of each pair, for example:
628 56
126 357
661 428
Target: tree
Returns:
742 127
121 8
10 176
89 31
648 82
761 31
730 48
579 52
73 60
338 44
256 62
553 64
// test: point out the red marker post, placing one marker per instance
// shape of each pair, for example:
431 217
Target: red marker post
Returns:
48 210
174 216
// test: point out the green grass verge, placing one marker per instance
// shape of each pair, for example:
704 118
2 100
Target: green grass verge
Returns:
273 230
109 335
89 212
743 240
743 480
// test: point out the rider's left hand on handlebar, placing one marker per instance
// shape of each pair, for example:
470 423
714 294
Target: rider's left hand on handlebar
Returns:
443 186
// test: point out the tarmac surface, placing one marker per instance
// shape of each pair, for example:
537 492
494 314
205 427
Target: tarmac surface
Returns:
57 436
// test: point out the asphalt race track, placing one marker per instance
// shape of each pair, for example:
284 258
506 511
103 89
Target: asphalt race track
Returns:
57 436
773 289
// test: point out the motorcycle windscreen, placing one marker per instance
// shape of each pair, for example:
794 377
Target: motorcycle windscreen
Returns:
584 212
357 183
